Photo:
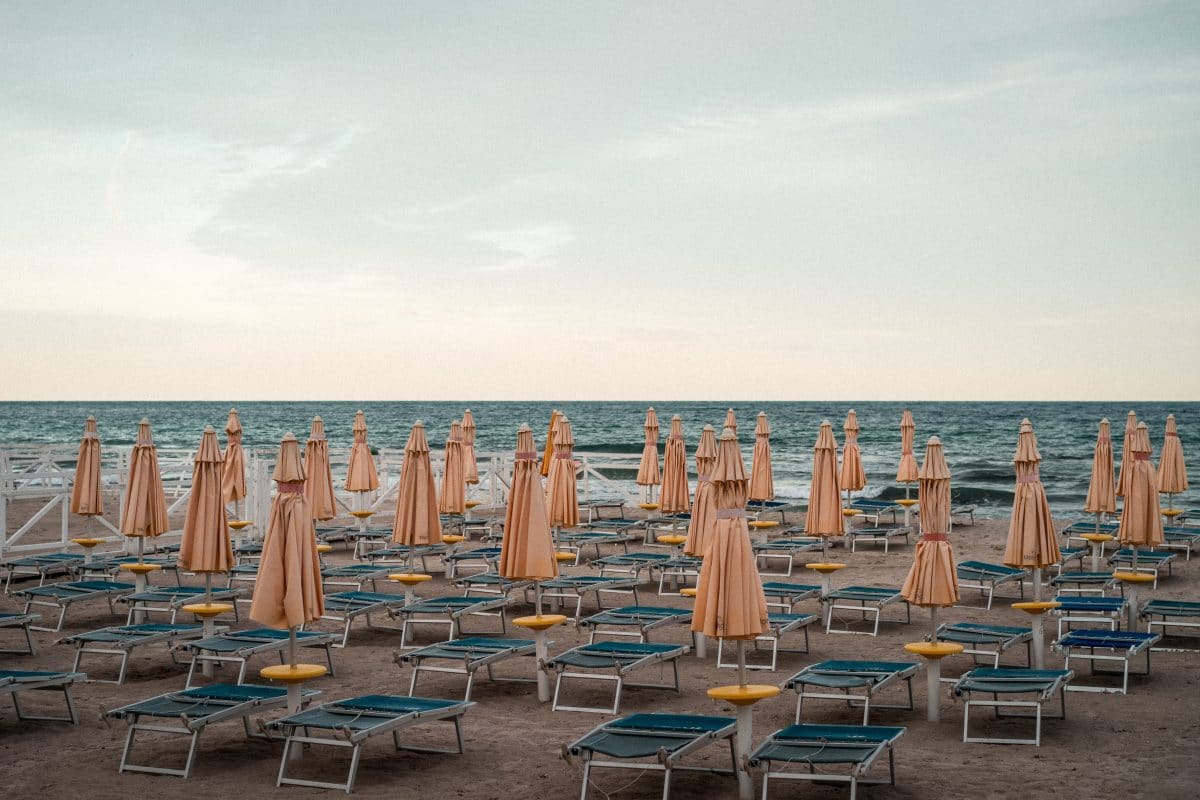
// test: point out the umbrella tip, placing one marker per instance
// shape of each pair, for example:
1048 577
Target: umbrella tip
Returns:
523 427
317 418
90 418
727 433
289 437
1104 421
418 424
762 413
209 429
934 440
675 417
468 411
826 423
1142 425
233 409
145 421
708 427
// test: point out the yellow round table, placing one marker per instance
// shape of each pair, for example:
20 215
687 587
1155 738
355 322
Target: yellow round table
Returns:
87 543
140 582
1037 609
539 624
826 570
649 506
208 612
699 641
1096 540
410 580
933 653
743 698
239 524
1132 581
294 675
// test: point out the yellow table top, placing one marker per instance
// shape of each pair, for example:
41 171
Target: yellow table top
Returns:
87 541
409 578
140 569
763 523
743 695
850 512
451 538
362 514
238 524
472 504
1033 607
672 538
293 673
1096 538
564 556
208 609
1173 512
825 568
907 502
1133 577
648 506
324 548
689 591
539 623
934 650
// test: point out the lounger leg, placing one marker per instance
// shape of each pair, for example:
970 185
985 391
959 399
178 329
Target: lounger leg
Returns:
666 795
587 775
354 759
283 762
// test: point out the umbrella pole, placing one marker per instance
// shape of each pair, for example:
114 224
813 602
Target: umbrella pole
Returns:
933 624
292 645
208 588
1037 584
741 662
537 597
142 545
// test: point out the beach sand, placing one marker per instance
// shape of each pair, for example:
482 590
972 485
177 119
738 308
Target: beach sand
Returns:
1142 744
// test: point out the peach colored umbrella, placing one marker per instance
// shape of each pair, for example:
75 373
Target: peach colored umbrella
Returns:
1031 540
907 471
1126 454
527 551
548 453
824 516
145 512
852 478
417 522
1172 474
762 481
233 480
675 497
318 486
470 467
288 591
1102 492
729 596
932 581
1141 521
454 484
648 474
87 497
704 508
360 473
561 499
730 421
205 547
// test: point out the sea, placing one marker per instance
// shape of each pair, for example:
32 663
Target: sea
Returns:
979 437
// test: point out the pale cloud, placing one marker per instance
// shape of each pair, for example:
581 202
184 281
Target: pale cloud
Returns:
528 248
116 178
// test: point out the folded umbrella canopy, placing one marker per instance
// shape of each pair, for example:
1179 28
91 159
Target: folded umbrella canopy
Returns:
360 474
932 581
762 480
417 522
454 484
730 421
527 551
205 547
548 453
648 474
1102 492
470 467
1172 474
1127 457
704 508
233 480
852 478
561 499
906 473
676 497
1031 538
87 498
318 486
1141 521
145 512
824 517
288 592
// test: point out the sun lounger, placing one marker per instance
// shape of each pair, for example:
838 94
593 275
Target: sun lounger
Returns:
566 587
1076 530
631 564
854 746
1172 615
1042 684
1083 582
356 575
1090 610
777 626
328 534
465 657
613 524
1121 646
664 739
247 551
871 601
989 641
22 621
44 565
613 661
121 640
678 571
986 577
367 539
169 599
785 595
780 507
819 681
350 723
448 611
967 511
1069 554
238 647
575 541
111 567
193 710
485 558
345 607
618 621
876 535
403 554
15 682
784 550
873 508
1181 538
489 583
63 595
1150 562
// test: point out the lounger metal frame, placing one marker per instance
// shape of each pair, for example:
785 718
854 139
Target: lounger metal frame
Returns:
678 570
568 586
1090 610
777 625
785 595
14 682
120 641
877 596
784 550
858 745
24 622
853 675
972 635
988 577
471 654
43 565
345 607
876 535
644 618
1124 646
169 599
62 595
254 642
1171 614
448 611
631 564
1043 684
622 658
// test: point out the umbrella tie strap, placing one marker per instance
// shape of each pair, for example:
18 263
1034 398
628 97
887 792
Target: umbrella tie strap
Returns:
290 487
360 438
1141 456
702 478
935 537
1023 479
1104 438
567 456
730 513
1172 433
527 455
235 437
676 436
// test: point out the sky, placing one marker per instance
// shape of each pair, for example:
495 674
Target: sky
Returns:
442 201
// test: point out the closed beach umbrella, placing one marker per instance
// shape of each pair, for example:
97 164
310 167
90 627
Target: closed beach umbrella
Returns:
233 480
561 500
907 471
931 581
1172 474
730 421
676 497
417 522
852 478
470 467
87 499
360 474
205 547
648 474
548 453
288 592
145 511
318 486
824 517
1102 492
1031 540
762 481
454 484
1141 521
1126 454
704 509
729 596
527 551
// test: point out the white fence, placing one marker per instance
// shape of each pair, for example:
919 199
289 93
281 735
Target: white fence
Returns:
36 482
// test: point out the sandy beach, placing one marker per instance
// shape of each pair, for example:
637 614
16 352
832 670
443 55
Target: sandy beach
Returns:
1110 745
